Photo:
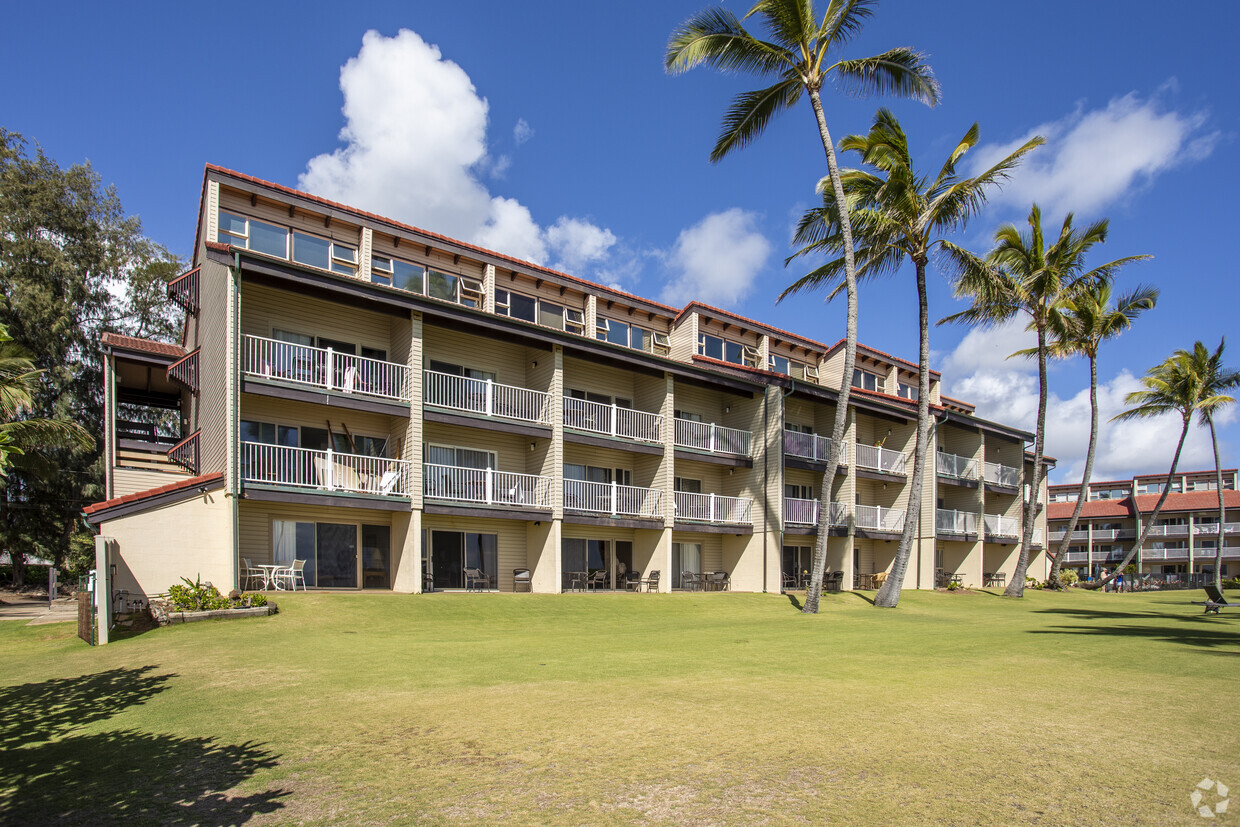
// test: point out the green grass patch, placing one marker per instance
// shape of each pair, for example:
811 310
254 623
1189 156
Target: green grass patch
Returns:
629 709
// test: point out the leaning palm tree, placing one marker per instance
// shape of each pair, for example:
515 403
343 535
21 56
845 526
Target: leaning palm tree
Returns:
1022 275
1189 382
1078 329
898 215
798 53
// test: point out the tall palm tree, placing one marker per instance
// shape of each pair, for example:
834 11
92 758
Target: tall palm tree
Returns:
898 215
1078 329
1189 382
1022 275
798 53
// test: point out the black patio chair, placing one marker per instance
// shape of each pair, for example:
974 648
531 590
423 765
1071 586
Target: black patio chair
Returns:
521 580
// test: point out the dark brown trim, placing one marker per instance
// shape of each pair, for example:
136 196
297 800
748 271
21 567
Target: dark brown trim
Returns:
730 460
995 488
141 356
803 464
465 420
157 501
490 512
335 399
578 518
996 540
871 534
615 443
712 528
812 531
327 500
957 481
953 537
881 476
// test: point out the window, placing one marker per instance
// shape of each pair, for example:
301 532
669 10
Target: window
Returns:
253 235
906 391
624 334
538 311
686 557
516 306
397 273
714 347
456 289
779 364
459 457
798 492
451 552
458 370
582 556
324 254
811 373
662 343
687 485
1203 485
1157 487
868 381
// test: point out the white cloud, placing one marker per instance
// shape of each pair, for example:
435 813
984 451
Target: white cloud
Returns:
716 260
1095 157
415 149
1007 391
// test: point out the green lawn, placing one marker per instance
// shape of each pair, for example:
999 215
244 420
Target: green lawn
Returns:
570 709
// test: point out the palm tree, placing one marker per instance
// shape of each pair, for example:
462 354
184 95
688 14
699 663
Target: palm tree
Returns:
1078 329
898 215
1022 275
798 54
1189 382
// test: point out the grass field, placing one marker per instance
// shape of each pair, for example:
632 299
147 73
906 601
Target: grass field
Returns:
645 709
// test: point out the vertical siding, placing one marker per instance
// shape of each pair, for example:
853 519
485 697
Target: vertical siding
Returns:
215 291
684 338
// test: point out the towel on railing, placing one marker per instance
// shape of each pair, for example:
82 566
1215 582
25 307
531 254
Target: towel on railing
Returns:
350 379
388 483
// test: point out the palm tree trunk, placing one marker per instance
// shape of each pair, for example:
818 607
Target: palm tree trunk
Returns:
1017 587
1083 492
1145 527
889 595
850 357
1222 509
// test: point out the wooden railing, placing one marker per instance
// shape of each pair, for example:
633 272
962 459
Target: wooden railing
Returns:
185 453
185 371
184 290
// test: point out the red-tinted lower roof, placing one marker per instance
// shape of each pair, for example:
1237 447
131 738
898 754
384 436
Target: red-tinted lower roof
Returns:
142 345
180 485
1189 501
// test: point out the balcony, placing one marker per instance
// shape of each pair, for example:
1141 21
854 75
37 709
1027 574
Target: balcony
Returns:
484 486
1169 531
1005 475
185 453
612 498
612 420
484 397
999 526
1208 529
873 458
954 466
283 465
185 371
713 508
805 512
878 518
323 369
1076 557
810 446
183 290
707 436
947 521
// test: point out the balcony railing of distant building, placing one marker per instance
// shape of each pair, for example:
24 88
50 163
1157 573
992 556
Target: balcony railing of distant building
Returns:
811 447
185 371
707 436
878 518
328 470
486 486
324 368
713 508
1004 475
612 498
875 458
185 453
948 521
805 512
612 420
955 466
183 290
485 397
998 525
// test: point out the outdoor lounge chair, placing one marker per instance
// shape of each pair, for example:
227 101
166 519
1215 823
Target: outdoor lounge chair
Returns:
1215 601
521 580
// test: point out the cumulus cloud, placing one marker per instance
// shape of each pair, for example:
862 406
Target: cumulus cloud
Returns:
1006 390
1094 157
717 259
415 148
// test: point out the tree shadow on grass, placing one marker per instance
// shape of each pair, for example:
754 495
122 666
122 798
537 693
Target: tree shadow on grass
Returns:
50 775
798 605
1202 634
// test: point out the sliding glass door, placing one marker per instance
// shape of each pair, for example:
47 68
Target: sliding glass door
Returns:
452 552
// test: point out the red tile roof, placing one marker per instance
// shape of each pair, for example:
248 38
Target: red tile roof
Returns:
910 365
694 305
1097 508
1191 501
142 345
180 485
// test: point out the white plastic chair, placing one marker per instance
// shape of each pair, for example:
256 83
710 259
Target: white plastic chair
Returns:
248 574
291 575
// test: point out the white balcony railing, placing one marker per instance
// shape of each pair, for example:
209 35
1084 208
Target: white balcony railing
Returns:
1212 528
811 447
1001 474
482 396
999 526
713 508
485 486
1037 537
947 521
878 518
955 466
323 470
612 498
880 459
1168 531
805 512
1076 557
707 436
324 368
612 420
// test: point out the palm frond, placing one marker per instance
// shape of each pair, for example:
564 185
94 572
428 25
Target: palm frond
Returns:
750 113
901 71
716 38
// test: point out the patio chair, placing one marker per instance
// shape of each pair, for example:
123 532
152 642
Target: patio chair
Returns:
834 581
521 580
597 581
292 575
652 581
689 581
249 575
1215 601
633 581
790 582
718 581
475 580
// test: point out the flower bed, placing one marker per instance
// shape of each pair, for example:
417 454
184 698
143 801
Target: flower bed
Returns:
202 601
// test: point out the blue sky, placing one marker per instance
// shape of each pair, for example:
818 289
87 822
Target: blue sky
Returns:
557 135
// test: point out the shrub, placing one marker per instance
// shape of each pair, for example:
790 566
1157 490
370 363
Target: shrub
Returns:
196 596
1069 577
1233 583
952 585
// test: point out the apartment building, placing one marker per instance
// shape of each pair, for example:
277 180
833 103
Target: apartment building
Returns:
1182 541
395 407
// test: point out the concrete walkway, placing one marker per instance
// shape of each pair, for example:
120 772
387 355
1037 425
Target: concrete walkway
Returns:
36 612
